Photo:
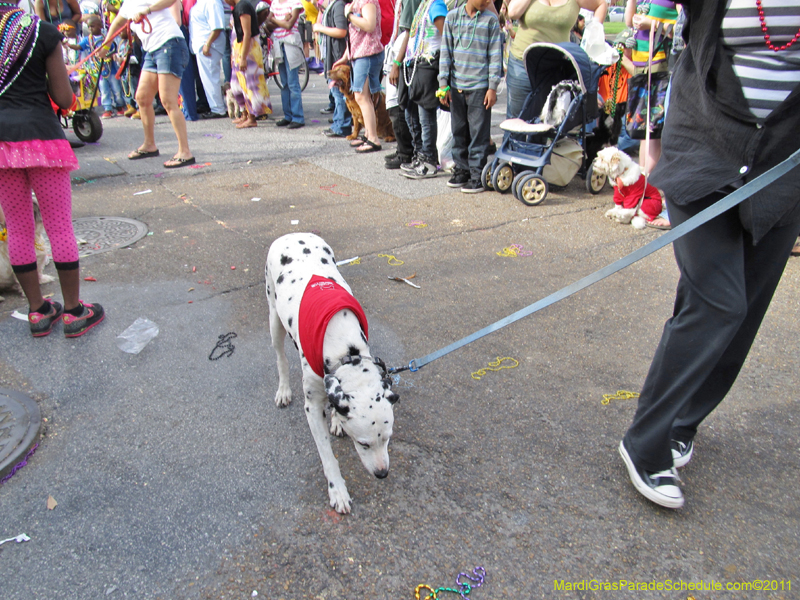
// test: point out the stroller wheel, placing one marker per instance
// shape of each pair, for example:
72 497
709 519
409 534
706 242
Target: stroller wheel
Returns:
595 182
517 180
486 176
532 190
502 178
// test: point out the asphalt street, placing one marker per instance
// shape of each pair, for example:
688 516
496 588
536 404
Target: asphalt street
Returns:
177 477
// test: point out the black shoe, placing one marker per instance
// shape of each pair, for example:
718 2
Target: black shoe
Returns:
41 324
295 125
330 121
411 165
76 326
660 487
396 160
473 186
681 453
459 179
283 122
327 110
160 111
332 134
213 115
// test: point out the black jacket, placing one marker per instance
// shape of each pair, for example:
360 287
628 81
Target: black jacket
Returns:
711 139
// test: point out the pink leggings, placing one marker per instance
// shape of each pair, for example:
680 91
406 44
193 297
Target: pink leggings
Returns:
54 192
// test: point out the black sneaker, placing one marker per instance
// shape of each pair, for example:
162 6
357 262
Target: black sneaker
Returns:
295 125
42 324
660 487
681 453
424 170
410 166
77 326
459 178
473 186
327 110
282 122
397 160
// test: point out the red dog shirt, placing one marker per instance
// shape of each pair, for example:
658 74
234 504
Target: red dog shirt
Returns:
321 300
628 197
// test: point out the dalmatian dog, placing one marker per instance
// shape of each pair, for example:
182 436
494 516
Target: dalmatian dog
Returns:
309 299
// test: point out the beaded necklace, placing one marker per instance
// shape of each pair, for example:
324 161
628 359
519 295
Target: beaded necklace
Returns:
18 34
418 26
765 29
461 12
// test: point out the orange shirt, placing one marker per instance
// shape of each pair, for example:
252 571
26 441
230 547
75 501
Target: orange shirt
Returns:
606 84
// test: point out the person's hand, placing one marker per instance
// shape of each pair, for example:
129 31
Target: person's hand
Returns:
446 98
490 99
206 49
316 27
139 17
341 61
394 75
243 64
102 52
641 22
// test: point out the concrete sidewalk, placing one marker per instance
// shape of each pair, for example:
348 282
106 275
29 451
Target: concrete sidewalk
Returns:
177 477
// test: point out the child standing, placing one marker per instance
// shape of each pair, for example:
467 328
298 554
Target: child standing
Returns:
470 67
35 155
111 96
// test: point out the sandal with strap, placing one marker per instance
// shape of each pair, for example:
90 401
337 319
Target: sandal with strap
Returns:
368 146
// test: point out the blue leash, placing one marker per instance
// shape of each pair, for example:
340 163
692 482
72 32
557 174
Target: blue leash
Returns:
716 209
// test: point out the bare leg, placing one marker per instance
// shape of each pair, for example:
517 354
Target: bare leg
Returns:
364 99
145 94
168 89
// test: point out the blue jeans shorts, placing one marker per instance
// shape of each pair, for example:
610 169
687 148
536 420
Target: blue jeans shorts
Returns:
367 66
171 58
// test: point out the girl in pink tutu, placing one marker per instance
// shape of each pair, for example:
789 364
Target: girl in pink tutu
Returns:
35 155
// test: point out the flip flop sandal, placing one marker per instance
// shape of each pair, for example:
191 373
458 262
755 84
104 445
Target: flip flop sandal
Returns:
662 227
370 147
179 162
359 141
137 154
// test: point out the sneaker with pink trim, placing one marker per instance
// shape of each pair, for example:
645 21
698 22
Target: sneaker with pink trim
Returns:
41 325
77 326
107 115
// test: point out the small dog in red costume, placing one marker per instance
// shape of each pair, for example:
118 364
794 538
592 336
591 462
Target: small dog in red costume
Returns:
630 188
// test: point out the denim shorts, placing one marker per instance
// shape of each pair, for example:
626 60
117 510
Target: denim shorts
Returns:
171 58
367 66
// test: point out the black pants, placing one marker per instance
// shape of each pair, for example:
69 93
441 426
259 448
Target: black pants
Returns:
725 287
405 144
471 124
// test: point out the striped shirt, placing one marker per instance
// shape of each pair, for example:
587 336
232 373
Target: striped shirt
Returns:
661 12
471 56
767 77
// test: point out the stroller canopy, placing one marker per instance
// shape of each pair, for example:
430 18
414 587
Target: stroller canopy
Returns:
550 64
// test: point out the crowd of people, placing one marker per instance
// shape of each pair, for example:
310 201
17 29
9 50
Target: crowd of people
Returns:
732 103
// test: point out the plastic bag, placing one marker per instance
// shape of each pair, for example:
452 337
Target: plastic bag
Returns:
594 44
444 140
137 336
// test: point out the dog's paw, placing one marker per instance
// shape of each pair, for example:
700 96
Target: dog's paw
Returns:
340 499
611 213
336 424
283 396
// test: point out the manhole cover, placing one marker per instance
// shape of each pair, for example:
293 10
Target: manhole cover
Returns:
101 234
20 421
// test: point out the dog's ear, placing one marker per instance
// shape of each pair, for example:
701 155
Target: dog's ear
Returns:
336 396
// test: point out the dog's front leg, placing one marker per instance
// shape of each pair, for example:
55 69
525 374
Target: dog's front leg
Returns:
276 330
315 413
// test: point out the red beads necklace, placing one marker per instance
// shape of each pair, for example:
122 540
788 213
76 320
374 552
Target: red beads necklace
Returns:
770 45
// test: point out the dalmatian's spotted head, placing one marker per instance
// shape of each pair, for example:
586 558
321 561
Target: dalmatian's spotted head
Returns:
360 392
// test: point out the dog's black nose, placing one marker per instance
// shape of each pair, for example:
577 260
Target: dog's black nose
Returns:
381 474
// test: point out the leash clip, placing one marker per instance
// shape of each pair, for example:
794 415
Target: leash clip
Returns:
412 366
